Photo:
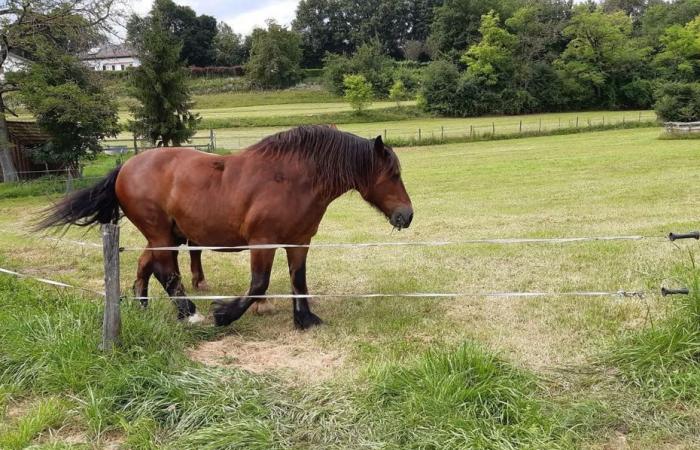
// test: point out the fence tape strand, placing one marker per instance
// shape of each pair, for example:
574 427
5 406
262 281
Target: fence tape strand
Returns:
499 241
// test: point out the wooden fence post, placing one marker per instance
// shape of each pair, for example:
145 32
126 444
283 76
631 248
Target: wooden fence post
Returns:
540 129
136 145
212 140
385 134
419 135
493 128
521 126
111 325
442 133
576 121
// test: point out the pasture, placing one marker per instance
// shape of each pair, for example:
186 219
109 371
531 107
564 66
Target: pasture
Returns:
468 372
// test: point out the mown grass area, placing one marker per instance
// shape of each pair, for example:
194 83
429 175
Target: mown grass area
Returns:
403 130
479 372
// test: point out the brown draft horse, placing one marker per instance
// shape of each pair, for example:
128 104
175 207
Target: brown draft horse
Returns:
274 192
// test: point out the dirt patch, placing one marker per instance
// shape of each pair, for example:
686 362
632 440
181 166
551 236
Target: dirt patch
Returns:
294 354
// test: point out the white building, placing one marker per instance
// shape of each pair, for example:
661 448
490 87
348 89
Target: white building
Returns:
12 63
111 57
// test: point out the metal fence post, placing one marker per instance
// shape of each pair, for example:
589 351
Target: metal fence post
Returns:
111 326
69 182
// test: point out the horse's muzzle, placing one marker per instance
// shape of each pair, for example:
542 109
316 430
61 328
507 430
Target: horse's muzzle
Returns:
402 217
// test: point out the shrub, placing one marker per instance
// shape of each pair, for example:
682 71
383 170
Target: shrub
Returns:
398 92
358 92
678 102
219 71
440 84
368 61
275 55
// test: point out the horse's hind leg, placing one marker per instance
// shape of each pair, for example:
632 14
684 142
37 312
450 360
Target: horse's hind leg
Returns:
261 266
143 274
198 281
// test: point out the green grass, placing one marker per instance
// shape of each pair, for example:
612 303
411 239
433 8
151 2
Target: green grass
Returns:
664 360
400 128
312 94
471 371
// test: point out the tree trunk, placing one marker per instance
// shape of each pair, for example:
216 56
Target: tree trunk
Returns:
9 173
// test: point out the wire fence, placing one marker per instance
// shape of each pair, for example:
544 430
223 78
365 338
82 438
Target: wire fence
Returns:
235 139
112 293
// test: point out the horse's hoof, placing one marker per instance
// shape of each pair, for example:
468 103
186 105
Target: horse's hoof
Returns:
201 286
262 307
306 321
226 312
195 318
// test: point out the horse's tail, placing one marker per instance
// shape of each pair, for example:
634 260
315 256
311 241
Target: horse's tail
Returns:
89 206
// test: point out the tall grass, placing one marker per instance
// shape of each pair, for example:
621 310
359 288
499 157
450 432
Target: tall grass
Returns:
664 359
148 392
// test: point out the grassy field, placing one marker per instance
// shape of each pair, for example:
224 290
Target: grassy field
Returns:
234 138
470 372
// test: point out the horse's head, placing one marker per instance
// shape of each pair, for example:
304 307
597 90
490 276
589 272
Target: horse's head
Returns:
385 190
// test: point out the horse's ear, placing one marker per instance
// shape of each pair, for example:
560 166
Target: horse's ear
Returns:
379 146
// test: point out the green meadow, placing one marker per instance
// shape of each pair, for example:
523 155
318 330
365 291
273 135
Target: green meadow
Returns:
466 372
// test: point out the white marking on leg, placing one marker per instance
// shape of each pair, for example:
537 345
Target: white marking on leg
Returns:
195 318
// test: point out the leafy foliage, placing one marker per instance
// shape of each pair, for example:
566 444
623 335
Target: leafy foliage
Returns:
229 47
69 105
678 102
159 84
368 61
358 92
275 57
398 92
196 33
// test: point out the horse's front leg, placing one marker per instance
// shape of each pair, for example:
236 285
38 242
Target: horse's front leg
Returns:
260 266
303 317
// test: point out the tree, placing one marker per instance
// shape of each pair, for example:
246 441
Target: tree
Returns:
229 48
160 86
323 28
679 58
275 55
26 26
197 33
491 60
369 61
398 92
601 58
358 92
69 105
456 23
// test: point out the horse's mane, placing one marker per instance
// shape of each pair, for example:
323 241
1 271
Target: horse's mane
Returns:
341 160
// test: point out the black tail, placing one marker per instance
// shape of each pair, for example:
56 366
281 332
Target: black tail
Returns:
89 206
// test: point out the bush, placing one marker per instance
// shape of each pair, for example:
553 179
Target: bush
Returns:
368 61
358 92
440 84
275 55
398 92
678 102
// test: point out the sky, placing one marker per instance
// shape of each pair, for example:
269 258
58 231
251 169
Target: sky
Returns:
241 15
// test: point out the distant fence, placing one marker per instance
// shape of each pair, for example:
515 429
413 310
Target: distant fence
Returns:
134 144
682 127
239 138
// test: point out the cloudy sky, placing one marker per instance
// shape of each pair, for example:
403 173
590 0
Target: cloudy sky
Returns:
242 15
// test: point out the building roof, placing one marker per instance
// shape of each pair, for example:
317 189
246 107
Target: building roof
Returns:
27 133
110 51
